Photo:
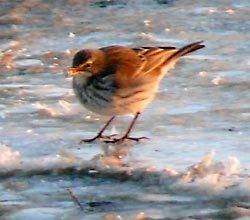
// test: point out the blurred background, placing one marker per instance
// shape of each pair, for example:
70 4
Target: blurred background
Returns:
196 163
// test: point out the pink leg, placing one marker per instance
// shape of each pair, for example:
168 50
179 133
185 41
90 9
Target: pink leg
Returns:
100 133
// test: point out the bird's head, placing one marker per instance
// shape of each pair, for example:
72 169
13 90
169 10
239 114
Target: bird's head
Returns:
87 63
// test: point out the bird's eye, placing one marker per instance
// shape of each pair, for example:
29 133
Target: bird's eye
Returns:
88 65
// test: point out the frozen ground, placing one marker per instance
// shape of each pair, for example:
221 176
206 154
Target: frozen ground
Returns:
195 165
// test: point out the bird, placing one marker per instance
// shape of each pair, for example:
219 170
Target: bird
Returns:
118 80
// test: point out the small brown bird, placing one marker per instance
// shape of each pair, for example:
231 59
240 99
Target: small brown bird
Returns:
118 80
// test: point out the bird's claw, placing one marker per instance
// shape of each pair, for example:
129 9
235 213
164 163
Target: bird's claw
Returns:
99 136
122 139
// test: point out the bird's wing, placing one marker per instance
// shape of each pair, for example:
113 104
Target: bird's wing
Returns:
153 58
133 64
125 63
158 60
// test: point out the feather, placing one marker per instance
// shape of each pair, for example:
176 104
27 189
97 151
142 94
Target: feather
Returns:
158 60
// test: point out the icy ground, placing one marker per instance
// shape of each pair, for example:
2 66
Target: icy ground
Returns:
195 165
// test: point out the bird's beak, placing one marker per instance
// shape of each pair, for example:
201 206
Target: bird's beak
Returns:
74 71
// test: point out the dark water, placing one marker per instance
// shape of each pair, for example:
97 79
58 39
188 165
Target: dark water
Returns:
196 164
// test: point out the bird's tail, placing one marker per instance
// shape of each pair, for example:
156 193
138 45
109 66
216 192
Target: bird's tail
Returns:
183 51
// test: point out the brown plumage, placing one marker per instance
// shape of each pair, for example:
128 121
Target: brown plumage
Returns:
118 80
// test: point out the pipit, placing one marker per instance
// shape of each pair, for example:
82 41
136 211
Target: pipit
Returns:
118 80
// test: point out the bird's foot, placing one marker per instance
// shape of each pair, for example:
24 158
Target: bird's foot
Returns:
98 136
124 138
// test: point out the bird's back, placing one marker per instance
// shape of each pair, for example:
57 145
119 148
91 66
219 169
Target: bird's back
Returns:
130 78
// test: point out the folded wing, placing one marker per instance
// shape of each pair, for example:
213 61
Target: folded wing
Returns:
133 64
158 60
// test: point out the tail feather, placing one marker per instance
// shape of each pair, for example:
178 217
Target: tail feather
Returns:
185 50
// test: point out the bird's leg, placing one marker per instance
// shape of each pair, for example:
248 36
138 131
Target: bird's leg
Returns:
100 133
126 136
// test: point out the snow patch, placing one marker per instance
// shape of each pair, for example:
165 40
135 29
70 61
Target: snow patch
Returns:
9 159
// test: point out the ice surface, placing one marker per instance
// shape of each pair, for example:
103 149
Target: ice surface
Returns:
196 163
205 181
8 159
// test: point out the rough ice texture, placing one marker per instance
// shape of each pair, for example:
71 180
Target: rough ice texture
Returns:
201 105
